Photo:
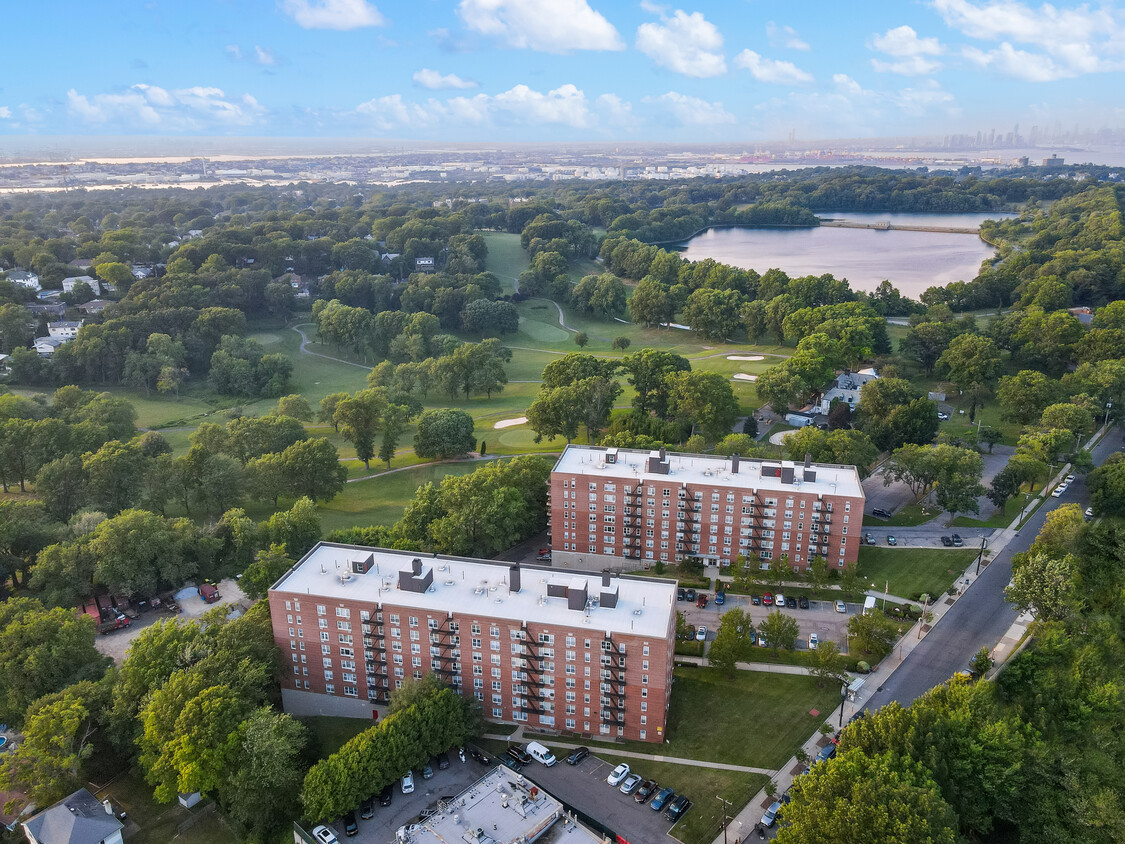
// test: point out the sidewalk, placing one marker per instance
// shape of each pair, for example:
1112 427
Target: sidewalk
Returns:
766 667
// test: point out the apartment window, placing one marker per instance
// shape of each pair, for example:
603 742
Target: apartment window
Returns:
343 612
330 689
324 635
321 609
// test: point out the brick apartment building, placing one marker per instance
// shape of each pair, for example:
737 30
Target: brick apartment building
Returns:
622 508
576 652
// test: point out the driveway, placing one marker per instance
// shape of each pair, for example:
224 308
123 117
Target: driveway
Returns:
927 536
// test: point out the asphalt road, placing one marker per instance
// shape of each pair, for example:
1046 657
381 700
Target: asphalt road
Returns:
981 616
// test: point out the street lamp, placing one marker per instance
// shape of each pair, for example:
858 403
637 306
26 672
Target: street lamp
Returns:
725 803
843 698
1108 405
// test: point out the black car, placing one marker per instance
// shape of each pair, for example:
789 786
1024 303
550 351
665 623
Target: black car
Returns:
648 789
756 600
351 825
947 541
517 752
442 761
803 602
791 602
367 809
690 595
676 808
577 756
957 540
386 795
880 513
680 595
510 762
869 539
478 756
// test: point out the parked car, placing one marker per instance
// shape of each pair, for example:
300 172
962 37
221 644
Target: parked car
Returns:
701 634
386 795
803 602
1069 480
648 789
779 601
517 752
367 808
944 417
577 756
869 538
720 598
617 775
690 595
891 540
630 784
1058 491
1089 514
478 756
756 600
770 817
325 835
681 595
791 602
767 600
427 771
762 643
442 761
541 754
544 556
661 798
407 783
677 808
957 540
351 825
511 762
880 513
825 754
841 606
947 541
814 640
701 601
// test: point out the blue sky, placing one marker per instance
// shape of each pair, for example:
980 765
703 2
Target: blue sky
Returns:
559 70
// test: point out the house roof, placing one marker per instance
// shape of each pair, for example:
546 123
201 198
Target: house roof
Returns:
78 819
49 341
94 305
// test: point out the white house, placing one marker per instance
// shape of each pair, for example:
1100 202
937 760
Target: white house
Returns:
45 346
847 388
66 329
24 278
423 265
68 284
78 819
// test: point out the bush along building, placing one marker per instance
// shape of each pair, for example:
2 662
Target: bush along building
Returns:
588 653
627 508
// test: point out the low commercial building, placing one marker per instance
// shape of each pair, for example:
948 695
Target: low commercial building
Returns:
578 652
618 508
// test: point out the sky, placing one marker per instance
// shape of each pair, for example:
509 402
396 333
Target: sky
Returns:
559 70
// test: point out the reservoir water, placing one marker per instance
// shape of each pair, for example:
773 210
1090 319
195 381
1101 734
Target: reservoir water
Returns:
911 260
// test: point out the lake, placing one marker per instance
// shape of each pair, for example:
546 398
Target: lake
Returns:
912 261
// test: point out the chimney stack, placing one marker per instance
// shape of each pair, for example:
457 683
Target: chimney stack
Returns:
416 566
808 460
734 464
606 578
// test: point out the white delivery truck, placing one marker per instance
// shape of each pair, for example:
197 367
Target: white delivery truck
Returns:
541 754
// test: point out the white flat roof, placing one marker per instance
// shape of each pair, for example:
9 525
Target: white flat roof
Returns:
714 470
481 587
500 807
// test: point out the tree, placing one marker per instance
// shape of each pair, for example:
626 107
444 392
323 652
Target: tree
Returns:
648 370
973 363
851 448
42 651
313 468
15 328
113 476
270 564
780 630
138 552
958 480
1072 418
581 339
1024 396
297 528
827 664
650 304
394 424
62 486
715 314
556 412
734 641
925 343
890 799
989 436
360 416
261 795
1043 585
295 407
872 633
706 400
444 433
1062 531
981 662
621 343
1107 486
327 412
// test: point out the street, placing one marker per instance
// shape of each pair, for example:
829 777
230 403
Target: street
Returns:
981 616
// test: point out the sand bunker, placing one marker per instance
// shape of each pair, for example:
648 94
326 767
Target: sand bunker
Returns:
743 376
746 357
508 423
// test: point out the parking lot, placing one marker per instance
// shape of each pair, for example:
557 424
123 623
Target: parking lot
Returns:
820 618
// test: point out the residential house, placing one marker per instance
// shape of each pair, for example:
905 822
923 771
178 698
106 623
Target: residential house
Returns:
846 388
193 234
24 278
45 346
56 309
1084 315
94 306
78 819
140 271
424 265
68 284
298 282
66 329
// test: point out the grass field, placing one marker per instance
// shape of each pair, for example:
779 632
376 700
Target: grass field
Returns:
158 822
913 571
327 733
506 258
909 516
999 519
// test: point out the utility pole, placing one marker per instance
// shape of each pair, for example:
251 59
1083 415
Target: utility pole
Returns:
922 620
980 555
725 803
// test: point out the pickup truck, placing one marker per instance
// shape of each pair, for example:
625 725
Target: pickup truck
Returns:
116 624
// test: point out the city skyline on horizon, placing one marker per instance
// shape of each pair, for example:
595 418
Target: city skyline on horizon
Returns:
566 71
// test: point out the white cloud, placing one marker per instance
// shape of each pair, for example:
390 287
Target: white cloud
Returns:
558 26
332 14
614 108
565 105
1072 41
687 44
690 111
434 80
912 66
264 57
785 36
845 84
234 51
771 70
149 106
5 112
909 51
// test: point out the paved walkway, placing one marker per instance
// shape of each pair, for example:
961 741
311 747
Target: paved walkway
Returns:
764 667
518 735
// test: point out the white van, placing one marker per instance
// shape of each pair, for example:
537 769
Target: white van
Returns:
541 754
868 604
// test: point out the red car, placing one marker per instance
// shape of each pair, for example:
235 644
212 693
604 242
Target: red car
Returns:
701 601
767 599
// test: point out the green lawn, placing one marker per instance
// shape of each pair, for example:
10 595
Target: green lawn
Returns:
506 258
159 822
999 519
327 733
909 516
913 571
